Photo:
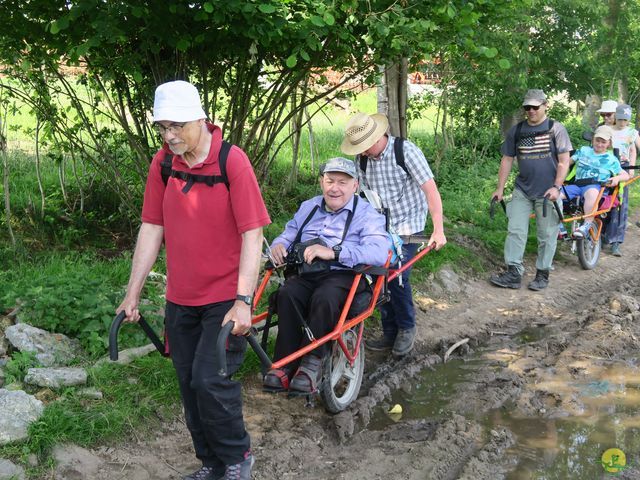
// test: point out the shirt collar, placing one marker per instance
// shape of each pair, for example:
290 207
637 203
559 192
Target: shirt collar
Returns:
348 206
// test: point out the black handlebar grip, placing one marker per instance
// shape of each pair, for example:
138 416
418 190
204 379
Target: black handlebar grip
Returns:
113 335
151 335
221 348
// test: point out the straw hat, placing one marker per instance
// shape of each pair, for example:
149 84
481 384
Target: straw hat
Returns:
362 132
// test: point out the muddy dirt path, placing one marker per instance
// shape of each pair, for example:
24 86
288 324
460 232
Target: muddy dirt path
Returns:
585 323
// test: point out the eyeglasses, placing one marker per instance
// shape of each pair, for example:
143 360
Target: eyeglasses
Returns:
174 128
607 114
531 107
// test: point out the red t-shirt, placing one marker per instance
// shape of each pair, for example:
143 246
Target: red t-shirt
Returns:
203 228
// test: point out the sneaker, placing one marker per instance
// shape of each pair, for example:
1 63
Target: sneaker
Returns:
205 473
541 281
380 344
242 470
403 343
615 249
509 279
583 230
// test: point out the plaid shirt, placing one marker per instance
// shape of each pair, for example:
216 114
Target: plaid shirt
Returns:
400 192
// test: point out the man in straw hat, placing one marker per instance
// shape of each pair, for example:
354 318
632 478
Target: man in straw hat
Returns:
542 148
212 232
399 172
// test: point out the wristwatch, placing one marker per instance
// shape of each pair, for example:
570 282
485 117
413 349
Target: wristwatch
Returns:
248 299
558 187
336 252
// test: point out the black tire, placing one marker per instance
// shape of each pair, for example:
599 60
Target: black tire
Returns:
341 382
588 249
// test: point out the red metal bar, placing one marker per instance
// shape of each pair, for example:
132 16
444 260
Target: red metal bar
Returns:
393 274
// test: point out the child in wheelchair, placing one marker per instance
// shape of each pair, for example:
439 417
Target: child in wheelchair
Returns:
595 165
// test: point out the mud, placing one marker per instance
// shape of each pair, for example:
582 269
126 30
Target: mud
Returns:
537 354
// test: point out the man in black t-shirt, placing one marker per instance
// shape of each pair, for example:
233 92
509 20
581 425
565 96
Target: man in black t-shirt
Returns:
542 148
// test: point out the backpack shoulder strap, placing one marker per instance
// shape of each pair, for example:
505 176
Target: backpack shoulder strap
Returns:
398 150
165 167
167 171
362 161
553 137
222 159
516 136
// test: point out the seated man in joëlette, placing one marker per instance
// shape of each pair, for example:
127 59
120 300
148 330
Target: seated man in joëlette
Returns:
327 236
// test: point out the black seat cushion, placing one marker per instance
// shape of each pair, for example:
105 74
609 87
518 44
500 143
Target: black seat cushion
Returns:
360 303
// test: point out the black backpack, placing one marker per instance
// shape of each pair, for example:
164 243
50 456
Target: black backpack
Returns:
167 171
398 150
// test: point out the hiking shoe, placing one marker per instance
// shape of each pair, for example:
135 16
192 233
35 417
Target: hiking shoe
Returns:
509 279
308 375
276 380
380 344
615 249
583 230
403 343
240 471
205 473
541 281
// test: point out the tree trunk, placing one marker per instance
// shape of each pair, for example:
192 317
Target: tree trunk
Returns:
590 116
7 197
392 97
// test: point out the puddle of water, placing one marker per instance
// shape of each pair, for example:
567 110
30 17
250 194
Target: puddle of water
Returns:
608 416
531 334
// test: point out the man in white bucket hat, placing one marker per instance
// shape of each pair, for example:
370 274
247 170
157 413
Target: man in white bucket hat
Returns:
399 172
607 112
202 199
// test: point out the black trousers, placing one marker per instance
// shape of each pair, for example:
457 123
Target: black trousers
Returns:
319 298
212 403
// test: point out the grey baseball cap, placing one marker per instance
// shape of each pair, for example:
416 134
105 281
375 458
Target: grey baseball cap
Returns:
341 165
534 97
623 112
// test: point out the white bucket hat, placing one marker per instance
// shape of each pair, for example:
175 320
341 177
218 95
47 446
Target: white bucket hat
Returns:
177 101
608 106
362 132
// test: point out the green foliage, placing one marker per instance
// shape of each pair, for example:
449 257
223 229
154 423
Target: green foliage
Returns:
77 295
18 365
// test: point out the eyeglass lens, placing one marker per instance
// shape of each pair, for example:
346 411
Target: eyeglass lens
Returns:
531 107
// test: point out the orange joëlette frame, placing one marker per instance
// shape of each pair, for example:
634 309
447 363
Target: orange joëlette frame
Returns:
342 325
596 211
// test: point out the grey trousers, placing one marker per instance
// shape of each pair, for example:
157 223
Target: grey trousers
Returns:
518 211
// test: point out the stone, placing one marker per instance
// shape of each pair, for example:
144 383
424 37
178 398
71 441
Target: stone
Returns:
129 355
10 471
51 349
17 411
56 377
90 393
449 280
75 463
